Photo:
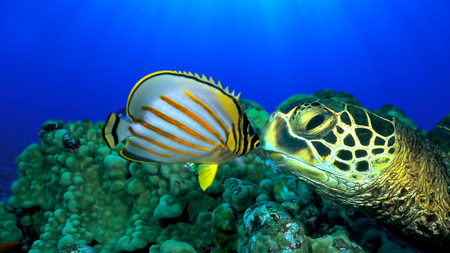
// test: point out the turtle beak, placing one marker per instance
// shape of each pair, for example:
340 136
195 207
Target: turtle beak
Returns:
268 134
270 138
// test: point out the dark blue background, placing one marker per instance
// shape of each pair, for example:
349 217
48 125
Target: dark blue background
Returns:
79 59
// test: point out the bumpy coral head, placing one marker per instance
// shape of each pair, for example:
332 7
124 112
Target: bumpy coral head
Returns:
335 147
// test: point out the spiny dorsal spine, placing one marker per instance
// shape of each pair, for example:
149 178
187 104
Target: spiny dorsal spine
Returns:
210 81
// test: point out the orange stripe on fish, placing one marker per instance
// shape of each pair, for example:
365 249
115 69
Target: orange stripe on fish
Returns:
169 136
228 156
213 115
160 144
224 153
190 115
177 124
147 150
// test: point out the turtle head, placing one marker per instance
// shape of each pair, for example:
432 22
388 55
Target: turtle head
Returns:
333 146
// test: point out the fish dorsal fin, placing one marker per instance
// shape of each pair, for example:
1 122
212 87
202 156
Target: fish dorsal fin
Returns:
203 78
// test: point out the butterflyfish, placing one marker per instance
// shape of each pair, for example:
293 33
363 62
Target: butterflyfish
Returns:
178 117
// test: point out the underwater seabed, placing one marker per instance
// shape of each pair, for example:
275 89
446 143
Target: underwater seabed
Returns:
74 193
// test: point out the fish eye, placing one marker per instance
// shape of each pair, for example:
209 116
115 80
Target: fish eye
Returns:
315 121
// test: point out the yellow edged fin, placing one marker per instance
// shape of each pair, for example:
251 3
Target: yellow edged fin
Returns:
206 174
115 130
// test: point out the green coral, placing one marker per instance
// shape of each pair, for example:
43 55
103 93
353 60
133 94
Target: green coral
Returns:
95 197
8 228
173 246
269 227
90 195
256 113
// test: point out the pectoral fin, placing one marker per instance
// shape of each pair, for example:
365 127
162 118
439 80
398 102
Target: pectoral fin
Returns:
206 174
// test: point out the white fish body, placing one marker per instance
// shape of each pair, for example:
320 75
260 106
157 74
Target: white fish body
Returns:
179 117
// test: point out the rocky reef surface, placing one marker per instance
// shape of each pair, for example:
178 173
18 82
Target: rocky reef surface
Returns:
74 192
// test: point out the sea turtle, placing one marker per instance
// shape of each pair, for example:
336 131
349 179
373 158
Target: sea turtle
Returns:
364 160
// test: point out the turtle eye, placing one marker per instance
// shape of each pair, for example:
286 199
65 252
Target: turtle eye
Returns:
315 121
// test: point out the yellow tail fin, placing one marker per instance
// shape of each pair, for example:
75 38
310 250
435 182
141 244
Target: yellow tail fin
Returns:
206 174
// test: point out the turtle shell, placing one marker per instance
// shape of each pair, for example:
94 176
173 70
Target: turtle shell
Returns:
440 134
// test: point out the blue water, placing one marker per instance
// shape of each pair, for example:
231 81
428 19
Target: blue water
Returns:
79 59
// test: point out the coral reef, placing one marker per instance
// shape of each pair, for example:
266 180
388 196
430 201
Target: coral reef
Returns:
9 232
255 112
72 248
73 191
269 228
